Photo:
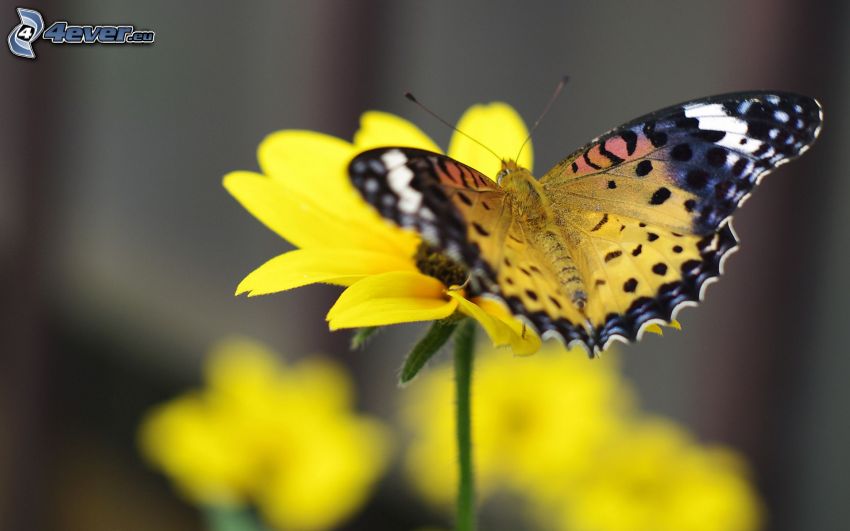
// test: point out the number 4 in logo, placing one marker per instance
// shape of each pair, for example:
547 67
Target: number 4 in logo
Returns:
26 33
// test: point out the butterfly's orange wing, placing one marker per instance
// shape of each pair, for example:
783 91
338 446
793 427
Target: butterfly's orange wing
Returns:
649 203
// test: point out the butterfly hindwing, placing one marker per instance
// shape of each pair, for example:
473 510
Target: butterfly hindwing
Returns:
666 185
638 274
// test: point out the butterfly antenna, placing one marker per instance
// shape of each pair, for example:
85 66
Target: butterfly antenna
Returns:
561 84
412 98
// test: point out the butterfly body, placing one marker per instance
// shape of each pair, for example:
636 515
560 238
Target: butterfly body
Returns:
542 230
621 234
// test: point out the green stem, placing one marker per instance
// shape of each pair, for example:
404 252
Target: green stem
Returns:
464 344
231 519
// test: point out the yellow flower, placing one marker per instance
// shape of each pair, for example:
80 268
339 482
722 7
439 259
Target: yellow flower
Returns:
564 436
533 421
305 196
282 437
656 478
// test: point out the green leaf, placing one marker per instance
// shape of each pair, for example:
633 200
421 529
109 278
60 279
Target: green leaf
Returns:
437 335
362 336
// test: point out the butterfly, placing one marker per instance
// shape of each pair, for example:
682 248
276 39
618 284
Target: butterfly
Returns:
621 234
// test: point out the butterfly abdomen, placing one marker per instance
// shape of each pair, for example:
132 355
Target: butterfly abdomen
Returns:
558 258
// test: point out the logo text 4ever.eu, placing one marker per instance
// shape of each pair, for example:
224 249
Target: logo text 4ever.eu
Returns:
23 36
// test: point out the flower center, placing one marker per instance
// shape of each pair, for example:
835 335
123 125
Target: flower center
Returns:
435 264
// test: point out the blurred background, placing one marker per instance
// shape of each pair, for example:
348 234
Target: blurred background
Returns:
120 250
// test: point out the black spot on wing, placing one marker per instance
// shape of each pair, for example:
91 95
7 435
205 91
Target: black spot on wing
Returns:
601 223
740 166
630 138
587 161
659 196
643 168
464 198
612 255
479 229
709 135
682 152
608 155
656 138
716 157
697 178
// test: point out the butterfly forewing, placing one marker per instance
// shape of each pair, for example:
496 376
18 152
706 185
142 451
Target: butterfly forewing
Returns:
455 208
692 162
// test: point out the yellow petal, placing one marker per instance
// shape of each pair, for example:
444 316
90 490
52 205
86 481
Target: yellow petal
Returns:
309 154
524 341
309 266
390 298
379 129
499 127
314 164
308 223
654 329
500 334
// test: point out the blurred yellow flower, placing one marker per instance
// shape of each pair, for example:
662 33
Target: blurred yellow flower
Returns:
655 478
563 434
304 195
284 438
532 420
